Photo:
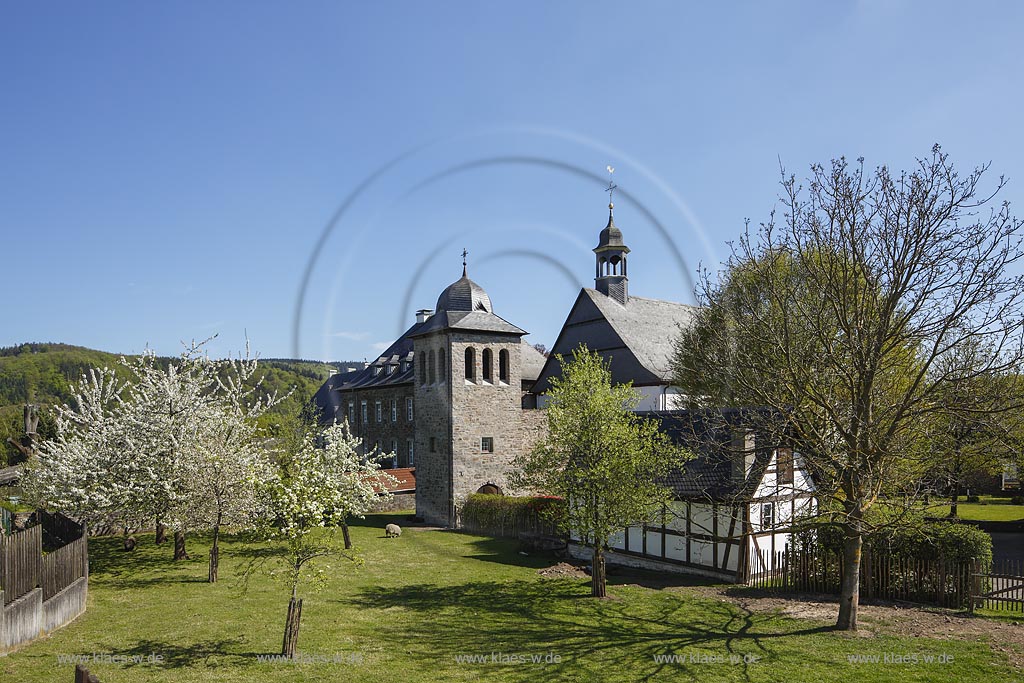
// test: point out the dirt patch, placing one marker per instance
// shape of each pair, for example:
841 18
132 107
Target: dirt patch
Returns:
883 619
563 570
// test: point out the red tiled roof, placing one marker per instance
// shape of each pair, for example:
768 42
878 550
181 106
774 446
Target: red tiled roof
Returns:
406 477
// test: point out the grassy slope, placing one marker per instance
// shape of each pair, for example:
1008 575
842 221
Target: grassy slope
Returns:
420 600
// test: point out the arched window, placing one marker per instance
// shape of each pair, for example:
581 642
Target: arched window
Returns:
441 376
422 360
503 365
430 356
488 376
470 364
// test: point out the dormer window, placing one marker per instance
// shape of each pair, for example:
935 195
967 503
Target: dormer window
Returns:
376 370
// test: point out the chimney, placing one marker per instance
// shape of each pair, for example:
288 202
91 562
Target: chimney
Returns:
741 450
423 315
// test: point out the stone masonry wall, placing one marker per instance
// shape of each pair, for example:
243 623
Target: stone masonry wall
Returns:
433 422
386 431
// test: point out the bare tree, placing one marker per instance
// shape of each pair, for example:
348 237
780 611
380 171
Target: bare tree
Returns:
850 314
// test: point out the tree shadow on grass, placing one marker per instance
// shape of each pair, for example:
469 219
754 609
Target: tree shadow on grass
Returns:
221 651
148 564
558 616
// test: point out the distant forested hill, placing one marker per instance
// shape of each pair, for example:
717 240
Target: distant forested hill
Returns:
45 373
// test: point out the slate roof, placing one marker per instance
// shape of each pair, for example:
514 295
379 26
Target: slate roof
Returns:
463 295
464 305
533 362
638 336
709 434
611 236
470 321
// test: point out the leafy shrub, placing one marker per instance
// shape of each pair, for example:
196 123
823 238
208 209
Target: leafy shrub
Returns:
973 498
498 514
918 540
1017 500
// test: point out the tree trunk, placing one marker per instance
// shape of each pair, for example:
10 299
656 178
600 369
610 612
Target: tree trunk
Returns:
215 554
291 627
348 539
598 588
953 500
849 597
179 546
161 533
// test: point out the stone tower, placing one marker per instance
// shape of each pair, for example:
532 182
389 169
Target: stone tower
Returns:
468 400
610 252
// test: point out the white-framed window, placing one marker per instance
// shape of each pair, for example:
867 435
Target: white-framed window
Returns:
351 413
379 411
486 444
394 453
767 515
408 408
409 445
394 410
362 414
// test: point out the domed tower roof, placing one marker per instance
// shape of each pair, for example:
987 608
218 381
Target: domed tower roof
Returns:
463 295
611 236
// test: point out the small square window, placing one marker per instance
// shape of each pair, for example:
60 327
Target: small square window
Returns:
487 444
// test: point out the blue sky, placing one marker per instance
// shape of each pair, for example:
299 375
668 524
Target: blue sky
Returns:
172 170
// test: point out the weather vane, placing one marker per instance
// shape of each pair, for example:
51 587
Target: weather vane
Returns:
464 254
611 185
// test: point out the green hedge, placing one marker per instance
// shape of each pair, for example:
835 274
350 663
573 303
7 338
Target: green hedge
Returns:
496 512
919 541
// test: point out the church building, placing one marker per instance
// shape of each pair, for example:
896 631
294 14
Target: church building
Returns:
460 394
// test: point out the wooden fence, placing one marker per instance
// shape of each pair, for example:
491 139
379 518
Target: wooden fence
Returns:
24 567
21 562
1001 587
934 582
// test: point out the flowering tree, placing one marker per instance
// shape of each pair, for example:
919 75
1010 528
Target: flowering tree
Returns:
177 443
313 490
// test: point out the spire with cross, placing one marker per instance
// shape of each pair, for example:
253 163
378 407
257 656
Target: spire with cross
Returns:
610 189
464 254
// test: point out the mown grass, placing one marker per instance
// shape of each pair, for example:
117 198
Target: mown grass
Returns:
420 601
991 509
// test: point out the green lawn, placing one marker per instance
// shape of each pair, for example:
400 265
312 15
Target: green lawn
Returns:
422 600
991 509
